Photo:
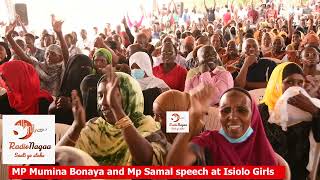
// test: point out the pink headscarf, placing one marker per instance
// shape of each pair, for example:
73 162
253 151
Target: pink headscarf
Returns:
256 150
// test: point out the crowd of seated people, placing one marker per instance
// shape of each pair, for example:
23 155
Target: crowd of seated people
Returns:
114 90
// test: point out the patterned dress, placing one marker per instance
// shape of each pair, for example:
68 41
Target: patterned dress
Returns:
106 144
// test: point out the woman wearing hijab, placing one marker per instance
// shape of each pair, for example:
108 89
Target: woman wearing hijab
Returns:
51 70
170 72
293 144
266 43
311 39
122 135
78 67
141 70
277 51
152 87
240 141
211 72
5 53
101 58
23 94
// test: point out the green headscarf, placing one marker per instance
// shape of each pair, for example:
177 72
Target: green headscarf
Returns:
132 97
105 53
106 144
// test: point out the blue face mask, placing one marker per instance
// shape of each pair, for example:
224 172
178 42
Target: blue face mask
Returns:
241 139
137 73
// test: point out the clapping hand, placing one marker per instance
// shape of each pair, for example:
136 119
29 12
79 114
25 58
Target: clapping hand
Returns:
112 85
78 111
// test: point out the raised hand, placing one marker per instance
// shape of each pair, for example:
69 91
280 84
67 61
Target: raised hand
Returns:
112 85
291 17
10 28
199 103
124 21
18 19
56 24
78 111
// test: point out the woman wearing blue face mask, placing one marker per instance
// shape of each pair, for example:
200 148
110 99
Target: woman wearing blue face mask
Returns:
141 70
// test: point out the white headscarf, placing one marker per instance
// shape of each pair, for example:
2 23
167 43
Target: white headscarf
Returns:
142 59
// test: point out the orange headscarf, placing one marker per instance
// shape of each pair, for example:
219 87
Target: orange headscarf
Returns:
310 38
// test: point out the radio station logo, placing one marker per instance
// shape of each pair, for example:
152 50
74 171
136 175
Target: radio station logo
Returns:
175 117
28 139
177 121
23 129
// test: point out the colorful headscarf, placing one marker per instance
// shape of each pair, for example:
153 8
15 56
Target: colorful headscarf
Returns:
51 74
22 84
310 38
274 88
256 150
105 53
53 48
105 143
